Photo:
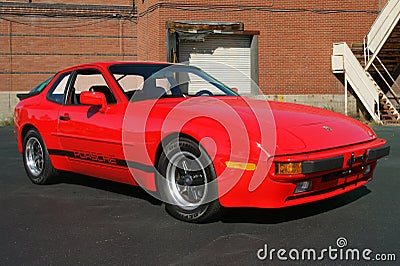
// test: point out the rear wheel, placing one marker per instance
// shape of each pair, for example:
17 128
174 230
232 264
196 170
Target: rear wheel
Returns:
187 184
37 160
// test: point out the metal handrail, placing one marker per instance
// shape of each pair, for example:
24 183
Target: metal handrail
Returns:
381 29
357 78
376 21
387 83
366 53
380 74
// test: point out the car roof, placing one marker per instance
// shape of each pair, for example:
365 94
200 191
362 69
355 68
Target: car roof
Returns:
107 64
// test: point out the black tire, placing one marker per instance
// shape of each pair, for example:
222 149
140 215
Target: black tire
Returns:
37 160
173 179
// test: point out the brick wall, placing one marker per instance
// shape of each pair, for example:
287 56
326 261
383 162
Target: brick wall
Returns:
295 38
88 2
151 31
33 47
295 42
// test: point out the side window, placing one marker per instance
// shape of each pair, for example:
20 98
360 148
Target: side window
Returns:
89 80
163 83
56 93
129 83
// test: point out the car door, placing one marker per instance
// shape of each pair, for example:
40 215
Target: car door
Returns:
92 140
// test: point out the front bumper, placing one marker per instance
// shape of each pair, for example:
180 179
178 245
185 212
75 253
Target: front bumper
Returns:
331 172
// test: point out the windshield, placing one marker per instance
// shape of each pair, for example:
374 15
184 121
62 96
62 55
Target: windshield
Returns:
155 81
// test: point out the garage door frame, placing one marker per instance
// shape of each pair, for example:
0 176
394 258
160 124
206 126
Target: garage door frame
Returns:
199 30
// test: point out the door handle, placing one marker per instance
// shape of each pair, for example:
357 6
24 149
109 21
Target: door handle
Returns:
65 117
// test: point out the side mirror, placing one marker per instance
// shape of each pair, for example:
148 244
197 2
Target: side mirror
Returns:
235 90
94 98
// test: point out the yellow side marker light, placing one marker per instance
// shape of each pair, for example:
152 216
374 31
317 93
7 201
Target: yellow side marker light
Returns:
241 165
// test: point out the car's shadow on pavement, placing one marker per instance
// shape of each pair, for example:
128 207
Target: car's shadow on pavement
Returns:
110 186
229 215
275 216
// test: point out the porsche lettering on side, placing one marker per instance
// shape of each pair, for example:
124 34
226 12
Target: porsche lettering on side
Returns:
189 139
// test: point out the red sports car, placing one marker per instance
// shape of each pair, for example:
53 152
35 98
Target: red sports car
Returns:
189 140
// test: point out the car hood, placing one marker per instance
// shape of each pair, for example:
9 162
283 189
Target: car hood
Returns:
294 128
303 128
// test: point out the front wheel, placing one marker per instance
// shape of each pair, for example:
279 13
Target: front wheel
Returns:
37 160
187 181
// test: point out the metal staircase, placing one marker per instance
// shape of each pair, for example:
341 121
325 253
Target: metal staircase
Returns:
371 68
381 30
344 62
388 113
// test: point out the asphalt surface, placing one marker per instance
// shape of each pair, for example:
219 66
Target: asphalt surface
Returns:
87 221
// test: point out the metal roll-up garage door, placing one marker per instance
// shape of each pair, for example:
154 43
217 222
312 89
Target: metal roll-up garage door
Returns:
227 57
